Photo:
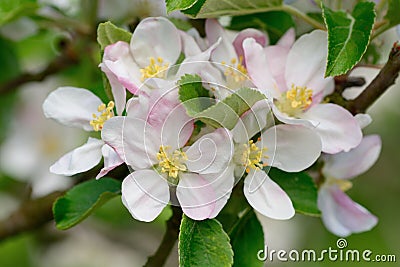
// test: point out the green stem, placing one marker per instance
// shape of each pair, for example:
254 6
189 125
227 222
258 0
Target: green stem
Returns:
383 28
297 13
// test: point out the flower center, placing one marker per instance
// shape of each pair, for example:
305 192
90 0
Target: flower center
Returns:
250 156
344 185
106 113
156 69
235 72
171 163
295 100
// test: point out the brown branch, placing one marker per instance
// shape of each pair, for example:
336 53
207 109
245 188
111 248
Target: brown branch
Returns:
171 235
32 214
62 62
379 85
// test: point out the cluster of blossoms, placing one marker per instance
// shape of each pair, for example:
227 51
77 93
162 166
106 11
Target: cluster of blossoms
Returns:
175 159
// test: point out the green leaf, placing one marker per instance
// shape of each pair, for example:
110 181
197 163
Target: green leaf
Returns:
301 189
348 36
14 9
79 202
276 23
215 8
108 33
227 112
193 95
392 14
247 238
203 243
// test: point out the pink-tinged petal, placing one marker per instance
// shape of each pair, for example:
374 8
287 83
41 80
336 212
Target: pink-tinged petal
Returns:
283 117
345 165
252 122
211 153
196 196
277 56
120 68
225 52
287 40
189 44
177 128
111 160
136 141
266 197
338 129
154 38
257 35
72 107
365 72
202 42
305 65
363 120
291 148
258 68
80 159
145 193
341 215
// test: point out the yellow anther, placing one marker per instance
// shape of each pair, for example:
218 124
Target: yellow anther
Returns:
236 70
295 100
156 69
250 156
344 185
171 163
107 112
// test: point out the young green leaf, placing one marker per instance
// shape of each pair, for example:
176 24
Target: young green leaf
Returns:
301 189
247 238
348 36
193 95
215 8
79 202
227 112
108 33
203 243
392 14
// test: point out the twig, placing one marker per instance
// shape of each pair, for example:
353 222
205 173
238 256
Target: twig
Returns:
171 235
31 215
60 63
380 84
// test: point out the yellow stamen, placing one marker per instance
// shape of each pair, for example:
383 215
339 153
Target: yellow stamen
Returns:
295 100
344 185
236 70
171 163
107 112
250 156
156 69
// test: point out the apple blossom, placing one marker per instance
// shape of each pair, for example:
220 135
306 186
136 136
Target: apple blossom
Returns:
80 108
340 214
291 148
298 88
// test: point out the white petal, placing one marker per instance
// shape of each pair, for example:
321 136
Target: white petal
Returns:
111 160
80 159
225 51
363 120
189 44
346 165
133 139
211 153
294 149
258 68
259 36
283 117
338 129
341 215
155 37
145 194
305 65
265 196
287 39
252 122
72 107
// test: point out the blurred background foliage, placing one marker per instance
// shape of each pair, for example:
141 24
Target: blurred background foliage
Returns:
36 34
